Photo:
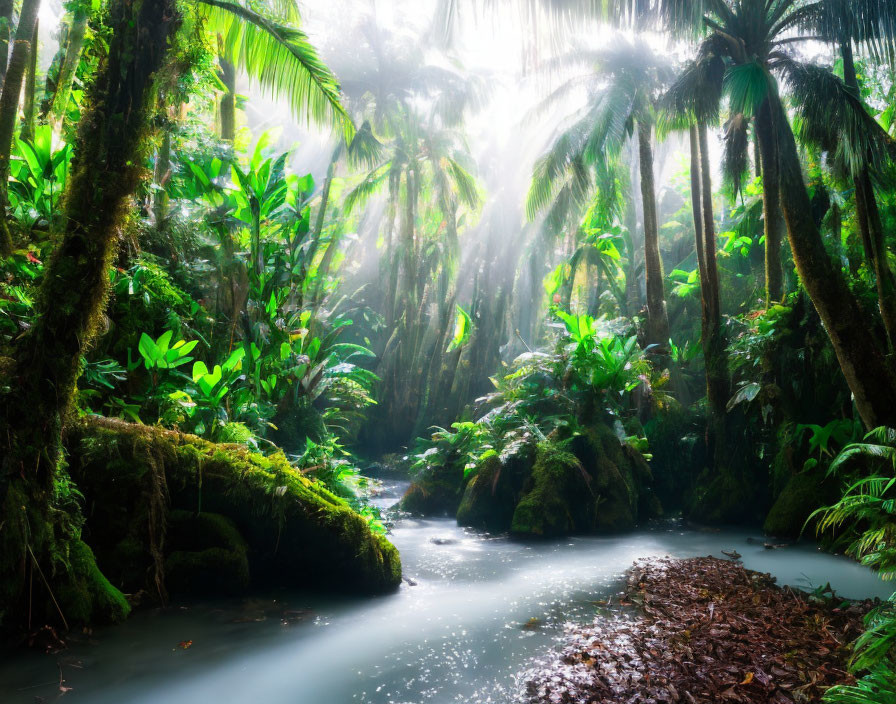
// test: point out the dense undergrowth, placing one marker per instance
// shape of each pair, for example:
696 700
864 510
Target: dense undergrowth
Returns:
232 337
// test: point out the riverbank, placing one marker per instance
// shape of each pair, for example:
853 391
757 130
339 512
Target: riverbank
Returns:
703 630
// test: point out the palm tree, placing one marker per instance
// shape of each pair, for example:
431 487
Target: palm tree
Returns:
623 89
424 169
747 40
9 105
56 102
869 24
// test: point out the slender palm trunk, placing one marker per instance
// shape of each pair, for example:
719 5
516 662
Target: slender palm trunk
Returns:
869 376
59 102
714 347
632 290
105 173
6 10
9 106
657 320
870 225
29 112
318 230
771 206
161 175
227 106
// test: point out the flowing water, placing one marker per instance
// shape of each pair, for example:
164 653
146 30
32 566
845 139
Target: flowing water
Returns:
474 612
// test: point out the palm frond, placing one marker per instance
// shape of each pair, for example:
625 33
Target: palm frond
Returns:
280 58
369 185
831 117
735 157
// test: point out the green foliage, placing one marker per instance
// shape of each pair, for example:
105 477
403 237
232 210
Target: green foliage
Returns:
39 172
866 515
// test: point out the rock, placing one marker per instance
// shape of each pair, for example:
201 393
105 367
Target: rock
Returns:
435 491
297 534
492 494
803 493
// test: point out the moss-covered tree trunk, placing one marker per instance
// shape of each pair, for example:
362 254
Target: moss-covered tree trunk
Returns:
227 106
29 107
864 365
771 206
57 104
870 225
6 8
657 319
105 172
9 106
714 344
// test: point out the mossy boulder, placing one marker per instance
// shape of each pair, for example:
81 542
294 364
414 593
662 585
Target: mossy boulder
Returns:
297 533
206 555
558 498
435 491
619 476
83 593
802 494
491 495
583 483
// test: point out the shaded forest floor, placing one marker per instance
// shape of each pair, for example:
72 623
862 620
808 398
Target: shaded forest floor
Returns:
705 630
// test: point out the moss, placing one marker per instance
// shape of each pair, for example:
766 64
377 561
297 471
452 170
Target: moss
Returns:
84 594
619 475
208 555
435 491
298 533
491 495
558 498
803 493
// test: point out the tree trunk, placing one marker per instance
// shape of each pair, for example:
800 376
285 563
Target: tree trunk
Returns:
69 311
29 112
228 100
771 206
160 177
6 10
657 320
319 225
863 362
870 225
714 347
57 107
9 107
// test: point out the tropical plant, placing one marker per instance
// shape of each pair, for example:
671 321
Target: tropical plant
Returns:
865 518
622 91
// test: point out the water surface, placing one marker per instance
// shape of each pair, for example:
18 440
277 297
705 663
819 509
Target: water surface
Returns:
476 609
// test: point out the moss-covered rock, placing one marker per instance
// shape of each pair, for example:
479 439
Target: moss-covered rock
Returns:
582 483
83 593
298 534
803 493
207 555
558 498
435 491
620 474
491 496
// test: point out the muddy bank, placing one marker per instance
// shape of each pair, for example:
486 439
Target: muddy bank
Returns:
703 630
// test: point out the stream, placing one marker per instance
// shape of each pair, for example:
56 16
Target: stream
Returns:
472 614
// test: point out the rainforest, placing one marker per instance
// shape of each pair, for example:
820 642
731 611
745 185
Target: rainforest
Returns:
448 351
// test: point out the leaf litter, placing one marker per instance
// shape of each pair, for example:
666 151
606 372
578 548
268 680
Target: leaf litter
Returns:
704 631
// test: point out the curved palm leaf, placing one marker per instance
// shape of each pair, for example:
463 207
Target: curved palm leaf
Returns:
280 58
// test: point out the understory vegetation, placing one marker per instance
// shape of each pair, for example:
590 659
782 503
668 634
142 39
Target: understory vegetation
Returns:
670 291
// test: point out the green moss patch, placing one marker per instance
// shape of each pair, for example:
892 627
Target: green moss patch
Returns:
297 534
